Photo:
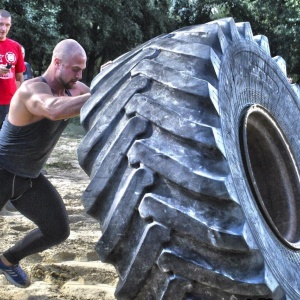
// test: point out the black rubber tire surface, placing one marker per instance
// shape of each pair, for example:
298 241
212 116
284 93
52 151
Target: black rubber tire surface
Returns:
192 149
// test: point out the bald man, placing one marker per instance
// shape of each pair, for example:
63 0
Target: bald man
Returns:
39 113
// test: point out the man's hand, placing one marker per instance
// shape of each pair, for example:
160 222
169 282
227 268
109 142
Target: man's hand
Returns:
3 70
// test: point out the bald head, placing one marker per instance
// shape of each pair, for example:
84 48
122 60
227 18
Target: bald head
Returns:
67 64
67 49
4 13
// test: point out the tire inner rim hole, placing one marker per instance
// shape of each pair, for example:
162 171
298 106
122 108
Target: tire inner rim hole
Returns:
272 174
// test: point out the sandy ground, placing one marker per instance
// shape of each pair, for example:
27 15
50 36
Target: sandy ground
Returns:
71 270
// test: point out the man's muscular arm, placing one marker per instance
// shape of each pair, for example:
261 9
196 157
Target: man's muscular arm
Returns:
80 89
34 101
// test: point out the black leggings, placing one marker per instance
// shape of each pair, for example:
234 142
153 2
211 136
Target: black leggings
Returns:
39 201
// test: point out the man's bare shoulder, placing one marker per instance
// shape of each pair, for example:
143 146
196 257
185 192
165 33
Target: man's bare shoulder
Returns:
35 79
35 85
29 90
33 82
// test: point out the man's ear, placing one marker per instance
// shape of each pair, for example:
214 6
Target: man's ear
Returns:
57 62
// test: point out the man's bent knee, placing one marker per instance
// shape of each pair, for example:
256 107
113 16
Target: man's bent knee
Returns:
62 235
57 236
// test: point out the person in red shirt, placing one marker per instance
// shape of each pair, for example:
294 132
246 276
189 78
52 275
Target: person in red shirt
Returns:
11 65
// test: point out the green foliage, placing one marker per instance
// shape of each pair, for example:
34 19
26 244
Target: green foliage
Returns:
34 26
277 19
105 28
109 28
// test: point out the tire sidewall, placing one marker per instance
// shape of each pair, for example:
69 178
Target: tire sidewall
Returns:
249 76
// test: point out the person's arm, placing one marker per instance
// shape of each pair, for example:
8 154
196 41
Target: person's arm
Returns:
56 108
34 101
19 79
80 89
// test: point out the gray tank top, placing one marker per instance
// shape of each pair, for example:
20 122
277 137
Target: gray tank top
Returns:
25 149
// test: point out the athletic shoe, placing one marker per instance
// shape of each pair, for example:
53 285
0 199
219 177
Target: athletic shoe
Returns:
15 275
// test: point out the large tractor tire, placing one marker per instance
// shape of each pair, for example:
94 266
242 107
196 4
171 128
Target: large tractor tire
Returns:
193 152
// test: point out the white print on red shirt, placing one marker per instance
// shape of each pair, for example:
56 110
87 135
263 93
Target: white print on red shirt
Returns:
10 57
8 75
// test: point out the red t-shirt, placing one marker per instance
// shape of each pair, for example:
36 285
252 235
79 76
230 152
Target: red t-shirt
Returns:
10 52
